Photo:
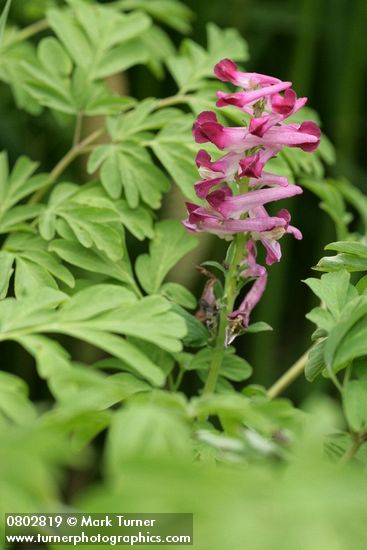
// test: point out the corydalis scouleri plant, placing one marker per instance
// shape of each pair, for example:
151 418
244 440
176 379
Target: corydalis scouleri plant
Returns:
236 187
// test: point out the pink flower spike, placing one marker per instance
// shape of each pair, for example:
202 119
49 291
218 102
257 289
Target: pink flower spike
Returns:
240 204
227 71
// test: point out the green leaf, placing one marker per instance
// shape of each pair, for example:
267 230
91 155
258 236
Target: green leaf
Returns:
6 271
352 257
51 264
29 277
193 64
96 314
175 149
322 318
172 13
53 56
151 436
151 319
31 252
355 197
122 57
49 89
170 244
71 34
315 361
355 404
348 262
3 20
99 40
178 294
361 286
160 48
348 338
14 402
332 202
137 220
130 167
260 326
91 301
13 219
197 335
334 289
143 118
92 260
19 184
233 367
349 247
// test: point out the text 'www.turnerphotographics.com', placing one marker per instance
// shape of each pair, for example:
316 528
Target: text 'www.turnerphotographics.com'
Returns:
111 529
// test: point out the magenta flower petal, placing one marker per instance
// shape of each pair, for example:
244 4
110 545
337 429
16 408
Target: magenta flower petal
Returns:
226 167
311 129
274 252
207 128
251 166
258 126
203 187
269 179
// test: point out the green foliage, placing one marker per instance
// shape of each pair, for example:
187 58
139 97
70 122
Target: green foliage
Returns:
113 343
169 245
342 325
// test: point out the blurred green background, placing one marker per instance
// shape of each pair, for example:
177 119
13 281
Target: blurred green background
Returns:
321 45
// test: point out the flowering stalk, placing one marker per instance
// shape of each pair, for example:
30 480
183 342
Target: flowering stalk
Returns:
236 188
228 299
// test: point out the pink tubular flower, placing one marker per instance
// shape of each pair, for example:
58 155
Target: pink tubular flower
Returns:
236 187
240 139
251 299
236 205
227 71
240 318
214 173
241 99
202 220
270 238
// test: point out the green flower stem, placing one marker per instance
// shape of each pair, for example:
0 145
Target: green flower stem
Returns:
172 100
357 441
29 31
229 297
78 129
74 152
288 377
